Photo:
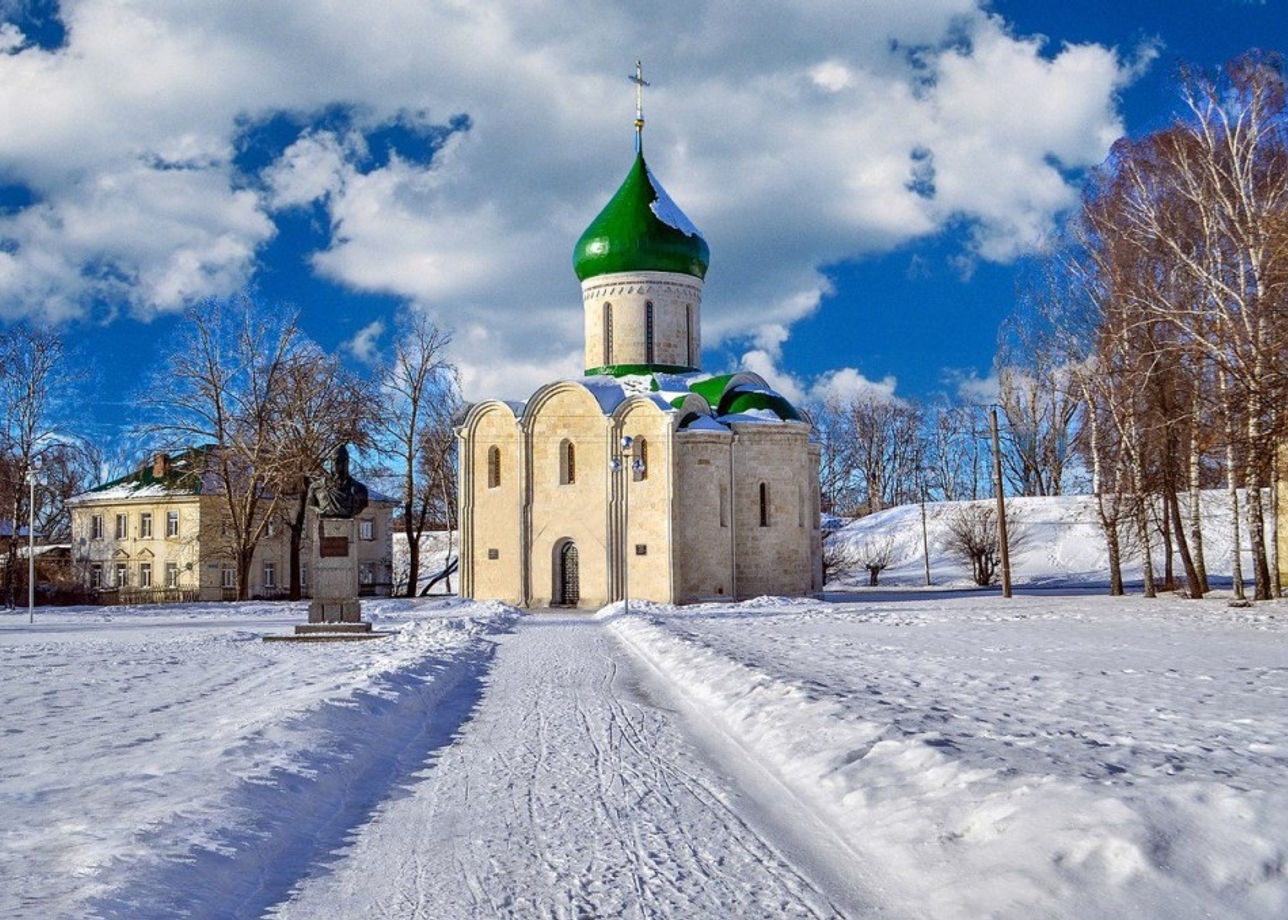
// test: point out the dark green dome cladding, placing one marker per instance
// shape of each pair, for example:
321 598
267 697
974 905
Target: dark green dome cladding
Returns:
640 229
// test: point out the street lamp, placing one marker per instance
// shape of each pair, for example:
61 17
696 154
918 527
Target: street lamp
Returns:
616 463
31 539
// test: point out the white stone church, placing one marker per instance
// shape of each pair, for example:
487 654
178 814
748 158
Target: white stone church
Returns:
646 478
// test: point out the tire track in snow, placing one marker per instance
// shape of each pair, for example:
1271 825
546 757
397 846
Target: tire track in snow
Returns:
570 793
277 830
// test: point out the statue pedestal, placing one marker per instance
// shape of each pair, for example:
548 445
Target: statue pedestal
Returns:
333 570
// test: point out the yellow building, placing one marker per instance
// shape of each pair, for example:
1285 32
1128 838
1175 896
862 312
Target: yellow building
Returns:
159 534
646 477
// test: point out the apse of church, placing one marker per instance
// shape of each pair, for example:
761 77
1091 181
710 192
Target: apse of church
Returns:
646 477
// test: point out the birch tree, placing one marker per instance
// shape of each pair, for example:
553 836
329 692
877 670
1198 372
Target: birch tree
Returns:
418 397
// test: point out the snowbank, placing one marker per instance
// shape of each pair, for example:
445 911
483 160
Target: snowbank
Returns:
1056 758
144 749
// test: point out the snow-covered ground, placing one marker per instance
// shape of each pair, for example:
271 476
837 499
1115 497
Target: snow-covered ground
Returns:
905 752
1043 757
166 762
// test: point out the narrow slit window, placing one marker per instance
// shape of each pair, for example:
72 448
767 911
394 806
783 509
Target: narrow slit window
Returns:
493 467
764 504
648 332
640 466
688 335
608 333
567 463
724 506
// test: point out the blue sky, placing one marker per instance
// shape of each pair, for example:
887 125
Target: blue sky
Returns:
870 175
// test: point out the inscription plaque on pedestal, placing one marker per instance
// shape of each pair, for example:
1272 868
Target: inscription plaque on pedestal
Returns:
333 539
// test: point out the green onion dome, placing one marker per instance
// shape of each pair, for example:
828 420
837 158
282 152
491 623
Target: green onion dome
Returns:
641 229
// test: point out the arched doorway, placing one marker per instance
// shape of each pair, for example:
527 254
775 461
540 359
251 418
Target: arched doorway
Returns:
567 588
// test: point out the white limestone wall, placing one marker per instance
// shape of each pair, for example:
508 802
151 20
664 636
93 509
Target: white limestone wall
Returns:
578 511
779 557
677 302
646 505
490 515
704 548
816 538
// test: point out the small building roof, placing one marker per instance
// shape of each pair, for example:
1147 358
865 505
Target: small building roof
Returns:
183 473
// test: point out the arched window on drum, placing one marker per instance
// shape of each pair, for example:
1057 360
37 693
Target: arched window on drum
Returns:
648 332
608 333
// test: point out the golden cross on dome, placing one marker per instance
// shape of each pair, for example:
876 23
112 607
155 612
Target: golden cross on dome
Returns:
638 79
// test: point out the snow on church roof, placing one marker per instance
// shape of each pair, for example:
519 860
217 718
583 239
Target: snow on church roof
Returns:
708 403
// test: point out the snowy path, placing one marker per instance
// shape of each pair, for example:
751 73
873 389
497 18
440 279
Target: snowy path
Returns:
574 791
166 763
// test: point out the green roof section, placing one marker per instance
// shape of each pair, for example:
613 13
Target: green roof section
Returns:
747 400
638 370
712 388
723 394
182 475
640 229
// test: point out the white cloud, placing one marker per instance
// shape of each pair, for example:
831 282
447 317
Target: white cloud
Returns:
761 362
150 239
849 385
972 388
788 140
832 76
846 384
365 344
312 168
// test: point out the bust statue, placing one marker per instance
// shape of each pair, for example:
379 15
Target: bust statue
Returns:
337 494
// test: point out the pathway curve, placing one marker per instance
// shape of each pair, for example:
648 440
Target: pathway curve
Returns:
574 791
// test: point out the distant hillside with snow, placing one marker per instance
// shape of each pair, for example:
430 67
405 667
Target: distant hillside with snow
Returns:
1058 543
1059 539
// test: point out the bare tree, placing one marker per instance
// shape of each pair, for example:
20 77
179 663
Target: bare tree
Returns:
954 453
438 473
1210 193
887 449
972 538
1040 400
221 390
318 406
875 554
419 399
32 376
837 456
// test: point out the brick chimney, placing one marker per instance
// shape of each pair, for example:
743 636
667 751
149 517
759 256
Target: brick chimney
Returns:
160 465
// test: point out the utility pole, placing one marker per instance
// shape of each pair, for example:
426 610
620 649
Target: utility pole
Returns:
1001 507
32 473
925 538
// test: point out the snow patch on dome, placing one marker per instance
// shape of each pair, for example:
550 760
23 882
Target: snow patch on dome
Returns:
667 211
